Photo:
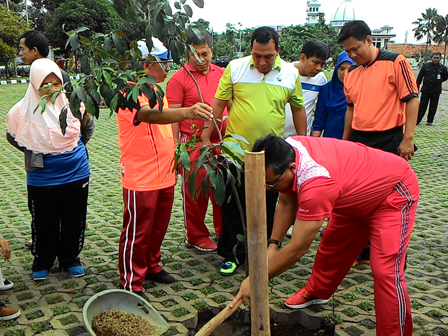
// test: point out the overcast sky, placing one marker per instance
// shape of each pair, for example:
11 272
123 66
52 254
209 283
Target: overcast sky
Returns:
251 13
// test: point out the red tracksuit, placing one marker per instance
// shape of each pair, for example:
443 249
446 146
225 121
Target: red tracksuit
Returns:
365 201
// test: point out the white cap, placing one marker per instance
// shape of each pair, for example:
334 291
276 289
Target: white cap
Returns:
159 51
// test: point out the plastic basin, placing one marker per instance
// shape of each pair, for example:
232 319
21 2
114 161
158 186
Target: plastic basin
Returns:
124 301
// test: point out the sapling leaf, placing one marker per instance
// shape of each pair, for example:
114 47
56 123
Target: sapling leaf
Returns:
63 119
188 10
192 183
237 137
199 3
185 158
219 191
241 238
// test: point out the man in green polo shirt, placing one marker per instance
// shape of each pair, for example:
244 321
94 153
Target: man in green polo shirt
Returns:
260 86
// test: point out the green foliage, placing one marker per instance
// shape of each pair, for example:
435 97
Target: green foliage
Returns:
12 25
228 42
294 37
98 15
426 26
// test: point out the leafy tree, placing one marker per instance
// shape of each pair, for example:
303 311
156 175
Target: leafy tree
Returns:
98 15
442 32
426 26
228 43
12 25
202 25
294 37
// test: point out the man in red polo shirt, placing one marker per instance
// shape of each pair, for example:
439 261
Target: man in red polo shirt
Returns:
181 91
367 194
146 141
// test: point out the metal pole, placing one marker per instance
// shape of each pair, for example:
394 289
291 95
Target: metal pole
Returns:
26 11
240 37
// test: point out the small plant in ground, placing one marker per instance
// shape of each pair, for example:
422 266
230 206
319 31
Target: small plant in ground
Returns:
34 315
175 267
42 282
25 296
273 296
99 288
158 293
61 310
76 331
201 305
208 290
210 258
333 318
189 296
178 287
362 291
91 280
54 299
8 324
168 259
219 299
287 290
48 290
226 284
15 332
350 312
349 297
415 305
193 262
70 284
169 303
434 314
353 331
196 281
178 312
40 327
30 305
368 323
286 277
69 319
367 306
422 287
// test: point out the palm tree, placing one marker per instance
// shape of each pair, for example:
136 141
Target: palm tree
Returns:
426 26
442 32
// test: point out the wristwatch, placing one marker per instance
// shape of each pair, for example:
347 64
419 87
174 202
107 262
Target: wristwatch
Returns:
274 241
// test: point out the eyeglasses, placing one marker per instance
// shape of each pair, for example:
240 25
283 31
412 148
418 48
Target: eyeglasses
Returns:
272 185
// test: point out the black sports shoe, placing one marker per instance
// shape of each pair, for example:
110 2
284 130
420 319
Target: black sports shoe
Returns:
143 295
162 277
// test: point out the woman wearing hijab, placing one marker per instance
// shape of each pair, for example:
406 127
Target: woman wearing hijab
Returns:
57 172
329 116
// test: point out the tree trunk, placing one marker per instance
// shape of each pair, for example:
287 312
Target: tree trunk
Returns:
444 53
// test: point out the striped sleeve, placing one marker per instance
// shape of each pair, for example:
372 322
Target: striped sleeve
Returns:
405 79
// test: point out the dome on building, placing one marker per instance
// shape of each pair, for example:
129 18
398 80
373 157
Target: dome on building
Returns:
344 13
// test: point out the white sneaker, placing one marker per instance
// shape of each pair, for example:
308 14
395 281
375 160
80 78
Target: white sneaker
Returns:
7 285
289 232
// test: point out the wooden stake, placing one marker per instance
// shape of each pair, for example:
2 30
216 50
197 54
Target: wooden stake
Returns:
257 242
211 325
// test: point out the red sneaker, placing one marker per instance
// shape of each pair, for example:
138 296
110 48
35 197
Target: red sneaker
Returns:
205 246
303 299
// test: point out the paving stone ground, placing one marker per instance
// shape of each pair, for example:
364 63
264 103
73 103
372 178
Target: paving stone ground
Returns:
54 306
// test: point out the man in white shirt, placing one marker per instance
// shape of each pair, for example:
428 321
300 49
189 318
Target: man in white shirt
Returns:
313 56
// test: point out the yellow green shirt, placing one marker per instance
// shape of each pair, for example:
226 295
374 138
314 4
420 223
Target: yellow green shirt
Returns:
259 100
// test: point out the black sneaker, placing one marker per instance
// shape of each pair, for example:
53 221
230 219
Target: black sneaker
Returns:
143 295
162 277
